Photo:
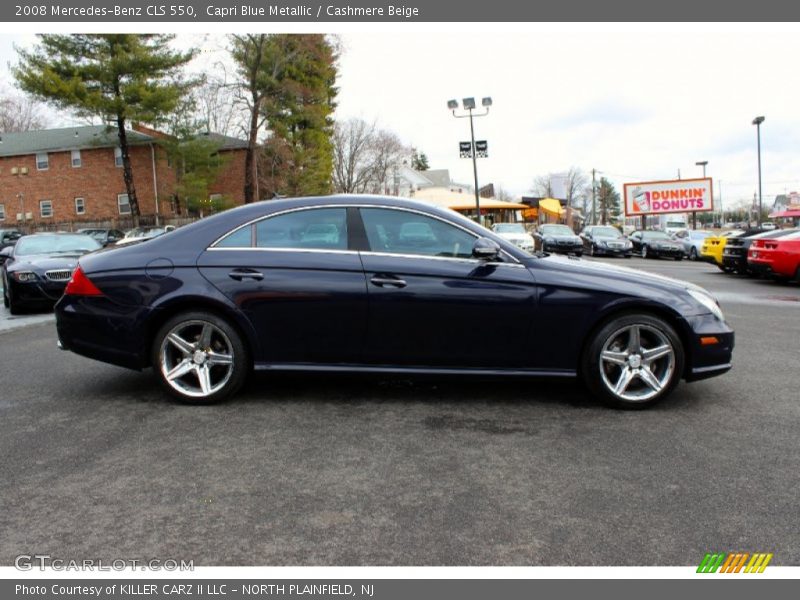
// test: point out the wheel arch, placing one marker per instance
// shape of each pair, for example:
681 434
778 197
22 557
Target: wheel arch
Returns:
637 306
176 306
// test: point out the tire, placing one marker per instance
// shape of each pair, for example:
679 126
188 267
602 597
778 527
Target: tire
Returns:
200 358
693 253
644 252
617 374
679 258
12 305
591 249
579 254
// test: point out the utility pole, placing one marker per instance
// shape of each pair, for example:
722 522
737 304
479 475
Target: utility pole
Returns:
721 211
594 190
699 163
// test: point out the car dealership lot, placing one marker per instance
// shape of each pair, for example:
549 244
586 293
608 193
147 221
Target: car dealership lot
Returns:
99 462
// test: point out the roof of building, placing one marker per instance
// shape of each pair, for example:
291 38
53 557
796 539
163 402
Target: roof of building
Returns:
66 138
84 137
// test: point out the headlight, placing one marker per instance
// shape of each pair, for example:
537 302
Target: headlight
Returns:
628 244
708 301
548 240
602 243
24 276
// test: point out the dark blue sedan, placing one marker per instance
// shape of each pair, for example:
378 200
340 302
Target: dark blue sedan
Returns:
374 284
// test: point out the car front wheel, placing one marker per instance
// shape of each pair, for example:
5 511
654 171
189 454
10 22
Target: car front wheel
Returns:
693 254
200 358
633 361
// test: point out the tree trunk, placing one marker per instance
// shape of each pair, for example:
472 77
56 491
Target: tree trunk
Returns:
127 171
250 159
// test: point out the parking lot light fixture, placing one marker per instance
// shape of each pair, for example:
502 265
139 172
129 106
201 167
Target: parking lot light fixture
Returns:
757 122
469 106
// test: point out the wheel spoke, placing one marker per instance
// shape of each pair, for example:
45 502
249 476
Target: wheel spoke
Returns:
215 358
655 353
625 377
204 378
179 370
650 379
634 341
205 336
616 358
181 344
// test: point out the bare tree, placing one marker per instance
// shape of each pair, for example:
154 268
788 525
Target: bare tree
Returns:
576 183
217 106
21 113
543 186
352 156
388 152
501 193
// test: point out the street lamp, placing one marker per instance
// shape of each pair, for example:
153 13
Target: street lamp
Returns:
469 105
757 122
699 163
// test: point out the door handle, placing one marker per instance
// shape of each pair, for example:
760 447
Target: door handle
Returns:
240 274
391 281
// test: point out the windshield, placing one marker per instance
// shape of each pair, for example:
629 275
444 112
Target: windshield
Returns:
55 244
556 230
655 235
509 228
611 232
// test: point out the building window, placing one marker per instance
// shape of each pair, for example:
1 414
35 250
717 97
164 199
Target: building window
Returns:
42 161
46 208
76 158
124 204
118 156
80 206
2 212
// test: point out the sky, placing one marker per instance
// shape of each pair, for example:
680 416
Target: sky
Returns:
635 103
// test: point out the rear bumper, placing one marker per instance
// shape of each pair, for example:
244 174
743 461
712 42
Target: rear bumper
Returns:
97 328
738 263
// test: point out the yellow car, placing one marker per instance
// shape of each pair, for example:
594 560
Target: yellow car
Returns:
713 247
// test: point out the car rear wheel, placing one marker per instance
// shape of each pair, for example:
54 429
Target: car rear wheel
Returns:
644 251
633 361
693 254
200 358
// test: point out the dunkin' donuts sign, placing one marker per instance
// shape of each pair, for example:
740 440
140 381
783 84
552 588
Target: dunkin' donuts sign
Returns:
661 197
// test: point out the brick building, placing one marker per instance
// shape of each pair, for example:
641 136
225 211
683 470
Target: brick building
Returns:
73 176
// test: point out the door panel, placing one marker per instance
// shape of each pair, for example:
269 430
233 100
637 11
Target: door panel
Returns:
448 313
307 306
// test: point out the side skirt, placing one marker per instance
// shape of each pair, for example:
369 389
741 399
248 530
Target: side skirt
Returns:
392 369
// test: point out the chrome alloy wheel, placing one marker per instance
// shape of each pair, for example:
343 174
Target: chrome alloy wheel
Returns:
196 358
637 362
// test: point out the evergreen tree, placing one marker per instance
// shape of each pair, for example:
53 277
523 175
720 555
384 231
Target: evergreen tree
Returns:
118 78
609 200
298 154
419 161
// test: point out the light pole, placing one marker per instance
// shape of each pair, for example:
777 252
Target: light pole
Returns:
757 122
469 105
699 163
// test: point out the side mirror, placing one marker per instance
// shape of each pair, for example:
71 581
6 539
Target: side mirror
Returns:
485 249
5 253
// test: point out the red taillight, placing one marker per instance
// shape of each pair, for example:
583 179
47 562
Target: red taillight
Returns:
81 285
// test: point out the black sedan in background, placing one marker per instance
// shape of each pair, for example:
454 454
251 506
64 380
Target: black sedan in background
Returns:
656 244
9 237
106 237
394 286
605 240
558 238
37 268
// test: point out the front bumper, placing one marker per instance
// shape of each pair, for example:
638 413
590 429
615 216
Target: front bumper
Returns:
667 252
708 360
612 251
564 248
39 292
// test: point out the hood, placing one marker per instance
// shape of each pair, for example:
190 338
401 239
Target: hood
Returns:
45 262
562 238
618 272
602 238
515 236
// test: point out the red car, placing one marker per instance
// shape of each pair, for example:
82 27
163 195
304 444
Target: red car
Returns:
779 258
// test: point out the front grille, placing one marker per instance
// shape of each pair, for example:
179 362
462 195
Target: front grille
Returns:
59 275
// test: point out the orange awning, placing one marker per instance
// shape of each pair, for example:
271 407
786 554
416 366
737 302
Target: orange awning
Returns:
551 206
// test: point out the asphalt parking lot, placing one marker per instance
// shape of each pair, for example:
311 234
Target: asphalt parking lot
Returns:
98 463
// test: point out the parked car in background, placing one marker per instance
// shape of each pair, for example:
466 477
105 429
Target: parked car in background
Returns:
734 255
776 258
242 290
552 237
692 241
769 226
656 244
105 236
9 237
714 245
141 234
605 240
516 234
37 268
